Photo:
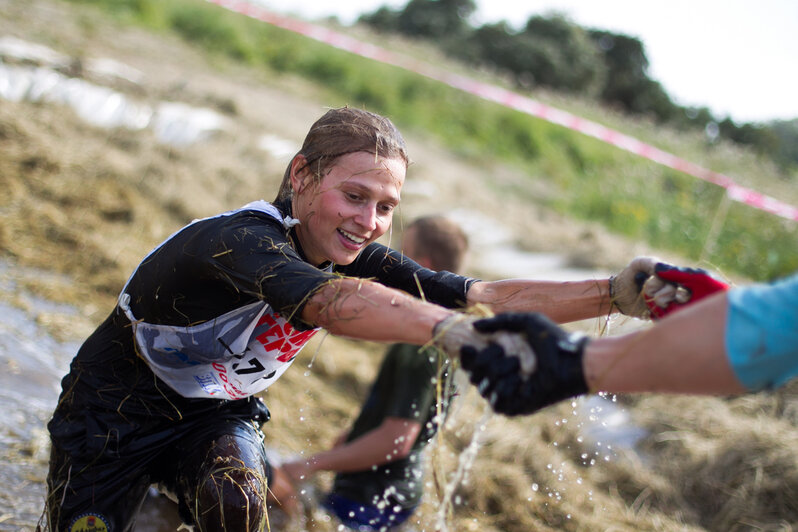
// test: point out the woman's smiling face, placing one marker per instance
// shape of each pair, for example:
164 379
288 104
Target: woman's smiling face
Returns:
351 207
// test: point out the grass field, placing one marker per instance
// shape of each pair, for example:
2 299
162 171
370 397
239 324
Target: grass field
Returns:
592 180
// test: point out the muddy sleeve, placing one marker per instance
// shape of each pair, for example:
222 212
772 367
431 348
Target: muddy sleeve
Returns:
253 255
392 268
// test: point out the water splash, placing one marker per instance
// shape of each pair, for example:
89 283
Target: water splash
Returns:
464 465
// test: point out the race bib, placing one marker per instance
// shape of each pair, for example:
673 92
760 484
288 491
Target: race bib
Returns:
230 357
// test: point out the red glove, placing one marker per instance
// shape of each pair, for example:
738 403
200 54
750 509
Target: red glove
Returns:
689 284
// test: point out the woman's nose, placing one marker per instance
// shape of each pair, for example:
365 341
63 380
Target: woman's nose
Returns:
367 217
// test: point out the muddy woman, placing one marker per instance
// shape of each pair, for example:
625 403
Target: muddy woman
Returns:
163 392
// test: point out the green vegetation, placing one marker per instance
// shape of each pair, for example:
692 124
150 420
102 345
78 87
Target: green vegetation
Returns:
553 52
597 182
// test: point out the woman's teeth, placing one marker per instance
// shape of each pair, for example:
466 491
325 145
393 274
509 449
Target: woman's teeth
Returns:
354 238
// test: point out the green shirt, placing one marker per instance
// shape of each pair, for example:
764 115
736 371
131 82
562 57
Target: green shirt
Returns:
406 388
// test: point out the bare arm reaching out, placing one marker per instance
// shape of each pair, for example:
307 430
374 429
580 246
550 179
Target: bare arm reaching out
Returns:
366 310
684 353
391 441
562 302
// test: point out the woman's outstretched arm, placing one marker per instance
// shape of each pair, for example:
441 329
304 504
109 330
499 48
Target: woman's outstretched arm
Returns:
366 310
562 302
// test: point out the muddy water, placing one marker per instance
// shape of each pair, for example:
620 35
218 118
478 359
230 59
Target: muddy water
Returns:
31 365
32 362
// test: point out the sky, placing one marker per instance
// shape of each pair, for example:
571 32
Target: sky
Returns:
739 58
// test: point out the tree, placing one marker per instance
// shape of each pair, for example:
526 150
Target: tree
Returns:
787 133
627 84
550 52
562 54
436 19
383 19
759 137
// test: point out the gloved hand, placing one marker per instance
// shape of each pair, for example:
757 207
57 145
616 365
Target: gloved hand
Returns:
626 287
672 288
457 331
649 288
497 374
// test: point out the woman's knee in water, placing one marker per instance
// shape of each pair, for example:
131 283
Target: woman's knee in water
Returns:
231 497
231 494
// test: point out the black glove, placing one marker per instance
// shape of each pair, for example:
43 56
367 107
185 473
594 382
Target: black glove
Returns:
497 374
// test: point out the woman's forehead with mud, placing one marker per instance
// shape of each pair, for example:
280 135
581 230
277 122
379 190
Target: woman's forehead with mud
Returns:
342 131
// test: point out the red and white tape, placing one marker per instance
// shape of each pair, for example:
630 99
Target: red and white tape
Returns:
515 101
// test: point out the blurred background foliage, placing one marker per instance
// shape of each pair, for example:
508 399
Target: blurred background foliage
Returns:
556 53
597 74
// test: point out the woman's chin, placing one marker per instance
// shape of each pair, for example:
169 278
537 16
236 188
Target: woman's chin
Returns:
344 259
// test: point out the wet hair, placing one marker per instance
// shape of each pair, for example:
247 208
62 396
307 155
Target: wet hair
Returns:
440 240
341 131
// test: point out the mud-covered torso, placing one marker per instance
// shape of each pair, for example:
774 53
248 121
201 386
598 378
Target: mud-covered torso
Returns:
198 345
212 296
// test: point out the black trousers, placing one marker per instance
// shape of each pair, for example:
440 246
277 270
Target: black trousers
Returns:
101 469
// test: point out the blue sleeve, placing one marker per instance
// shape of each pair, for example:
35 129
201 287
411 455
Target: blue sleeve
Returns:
762 333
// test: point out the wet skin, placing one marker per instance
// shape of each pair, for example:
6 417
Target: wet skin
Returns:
350 208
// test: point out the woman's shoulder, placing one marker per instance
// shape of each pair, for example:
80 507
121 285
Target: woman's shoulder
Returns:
255 218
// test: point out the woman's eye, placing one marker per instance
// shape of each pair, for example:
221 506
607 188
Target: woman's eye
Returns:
386 209
353 197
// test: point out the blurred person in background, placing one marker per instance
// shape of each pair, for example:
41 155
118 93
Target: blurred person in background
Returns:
726 342
378 461
164 391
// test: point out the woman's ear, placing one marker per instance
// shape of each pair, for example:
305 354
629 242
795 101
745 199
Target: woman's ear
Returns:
300 173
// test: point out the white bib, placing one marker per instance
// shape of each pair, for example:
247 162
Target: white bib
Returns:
233 356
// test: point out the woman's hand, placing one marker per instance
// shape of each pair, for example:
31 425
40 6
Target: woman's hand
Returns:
651 289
